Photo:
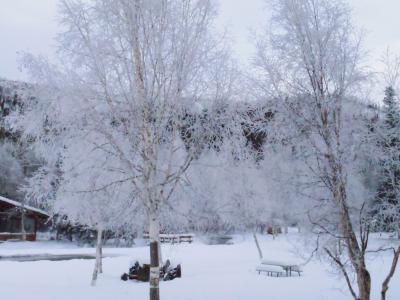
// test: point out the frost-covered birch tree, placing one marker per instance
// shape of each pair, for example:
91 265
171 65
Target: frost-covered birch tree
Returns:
90 195
311 60
130 69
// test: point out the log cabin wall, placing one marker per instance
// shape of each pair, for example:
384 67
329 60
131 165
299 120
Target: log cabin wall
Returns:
10 222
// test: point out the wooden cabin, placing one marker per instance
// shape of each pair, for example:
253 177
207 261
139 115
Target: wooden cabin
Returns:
11 213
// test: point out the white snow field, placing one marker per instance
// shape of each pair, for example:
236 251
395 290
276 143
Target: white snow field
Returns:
210 272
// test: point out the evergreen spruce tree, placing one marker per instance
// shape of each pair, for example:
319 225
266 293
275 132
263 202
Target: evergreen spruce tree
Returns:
388 192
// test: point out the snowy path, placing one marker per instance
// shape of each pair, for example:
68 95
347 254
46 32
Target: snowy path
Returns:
209 273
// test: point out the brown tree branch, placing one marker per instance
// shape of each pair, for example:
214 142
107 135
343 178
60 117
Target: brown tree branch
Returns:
343 269
385 284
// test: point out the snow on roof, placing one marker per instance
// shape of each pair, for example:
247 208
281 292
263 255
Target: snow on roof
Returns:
19 204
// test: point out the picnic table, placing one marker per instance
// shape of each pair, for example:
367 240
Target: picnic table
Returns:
270 270
279 268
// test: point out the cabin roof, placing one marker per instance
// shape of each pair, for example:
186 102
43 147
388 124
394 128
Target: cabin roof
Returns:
27 207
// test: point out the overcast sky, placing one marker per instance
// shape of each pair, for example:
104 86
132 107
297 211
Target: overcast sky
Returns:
30 25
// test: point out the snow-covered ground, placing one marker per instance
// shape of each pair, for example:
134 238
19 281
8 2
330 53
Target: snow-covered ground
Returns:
218 272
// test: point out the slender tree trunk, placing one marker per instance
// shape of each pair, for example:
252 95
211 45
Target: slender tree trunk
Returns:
23 237
154 231
356 255
364 283
260 254
355 252
101 254
97 264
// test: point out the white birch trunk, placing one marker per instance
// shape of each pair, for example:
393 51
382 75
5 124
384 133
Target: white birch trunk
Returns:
101 254
154 231
97 265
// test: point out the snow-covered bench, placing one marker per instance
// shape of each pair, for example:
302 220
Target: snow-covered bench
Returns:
287 267
270 270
